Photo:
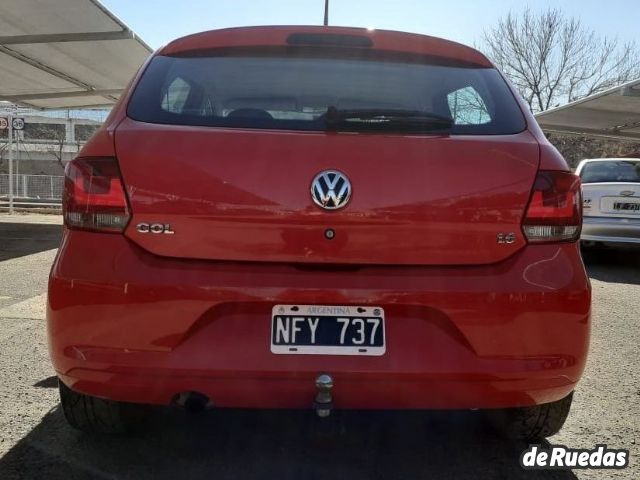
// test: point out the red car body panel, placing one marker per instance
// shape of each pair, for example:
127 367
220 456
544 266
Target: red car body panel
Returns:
142 328
381 40
470 323
258 207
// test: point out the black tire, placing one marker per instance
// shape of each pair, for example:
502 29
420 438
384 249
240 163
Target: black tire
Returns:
532 423
592 248
96 415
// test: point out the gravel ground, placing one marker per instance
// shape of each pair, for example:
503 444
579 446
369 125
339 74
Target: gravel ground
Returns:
36 443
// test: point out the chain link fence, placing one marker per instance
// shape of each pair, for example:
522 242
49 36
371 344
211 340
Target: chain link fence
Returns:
49 138
32 191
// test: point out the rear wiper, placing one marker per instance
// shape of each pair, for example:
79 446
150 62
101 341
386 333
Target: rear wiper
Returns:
384 118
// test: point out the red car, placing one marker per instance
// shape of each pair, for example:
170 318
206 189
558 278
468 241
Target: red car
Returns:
314 217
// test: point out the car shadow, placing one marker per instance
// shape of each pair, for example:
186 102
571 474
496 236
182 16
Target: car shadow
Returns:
280 445
20 239
49 382
613 265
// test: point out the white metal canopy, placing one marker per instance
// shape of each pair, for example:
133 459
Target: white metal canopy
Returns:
65 53
612 113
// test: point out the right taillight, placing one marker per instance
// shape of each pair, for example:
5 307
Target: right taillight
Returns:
94 197
554 213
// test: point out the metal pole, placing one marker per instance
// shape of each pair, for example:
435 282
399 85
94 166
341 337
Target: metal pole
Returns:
10 164
326 12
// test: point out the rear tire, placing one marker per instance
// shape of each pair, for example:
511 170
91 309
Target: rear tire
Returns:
96 415
588 247
532 423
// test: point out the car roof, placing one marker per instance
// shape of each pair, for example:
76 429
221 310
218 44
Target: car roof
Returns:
611 159
594 160
343 37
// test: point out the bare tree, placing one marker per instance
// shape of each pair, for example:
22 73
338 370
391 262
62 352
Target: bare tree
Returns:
553 59
52 135
56 147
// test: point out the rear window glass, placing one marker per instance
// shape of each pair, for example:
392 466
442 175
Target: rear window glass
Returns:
296 92
611 171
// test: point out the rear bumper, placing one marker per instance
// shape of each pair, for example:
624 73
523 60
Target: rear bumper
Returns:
611 230
130 326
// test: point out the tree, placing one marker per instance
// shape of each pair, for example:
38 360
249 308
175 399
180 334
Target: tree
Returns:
553 59
51 135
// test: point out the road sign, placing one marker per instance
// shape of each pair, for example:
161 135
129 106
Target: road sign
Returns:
4 123
18 123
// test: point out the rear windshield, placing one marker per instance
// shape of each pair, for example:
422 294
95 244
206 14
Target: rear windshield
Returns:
297 92
611 171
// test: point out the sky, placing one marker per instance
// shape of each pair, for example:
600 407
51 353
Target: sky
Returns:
159 21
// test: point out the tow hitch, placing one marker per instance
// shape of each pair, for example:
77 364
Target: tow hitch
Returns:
323 403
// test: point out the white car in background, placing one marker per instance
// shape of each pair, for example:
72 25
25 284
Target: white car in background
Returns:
611 200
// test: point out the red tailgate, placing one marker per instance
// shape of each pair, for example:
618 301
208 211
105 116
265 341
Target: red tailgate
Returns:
236 194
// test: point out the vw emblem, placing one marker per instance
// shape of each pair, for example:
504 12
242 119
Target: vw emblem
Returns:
331 190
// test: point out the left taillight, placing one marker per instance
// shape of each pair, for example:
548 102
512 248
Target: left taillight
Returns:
554 213
94 197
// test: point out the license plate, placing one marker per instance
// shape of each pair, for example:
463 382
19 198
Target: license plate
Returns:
627 206
327 330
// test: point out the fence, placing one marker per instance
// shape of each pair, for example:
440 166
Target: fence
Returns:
32 190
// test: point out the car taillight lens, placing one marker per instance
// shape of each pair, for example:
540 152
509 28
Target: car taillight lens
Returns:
555 212
94 197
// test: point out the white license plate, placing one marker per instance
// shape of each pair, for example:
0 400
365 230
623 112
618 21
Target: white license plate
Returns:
327 330
629 205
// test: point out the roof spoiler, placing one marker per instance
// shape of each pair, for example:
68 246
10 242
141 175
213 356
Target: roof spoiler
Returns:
329 40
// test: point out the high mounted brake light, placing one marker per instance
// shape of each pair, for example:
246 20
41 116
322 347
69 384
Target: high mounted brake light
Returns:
94 197
330 40
554 213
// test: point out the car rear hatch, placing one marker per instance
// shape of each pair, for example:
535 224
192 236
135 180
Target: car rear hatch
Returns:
618 199
245 195
611 188
221 152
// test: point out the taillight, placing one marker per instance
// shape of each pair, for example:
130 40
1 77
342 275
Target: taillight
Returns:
94 197
555 212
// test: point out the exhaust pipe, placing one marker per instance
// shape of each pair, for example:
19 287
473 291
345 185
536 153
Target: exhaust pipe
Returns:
192 402
323 403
